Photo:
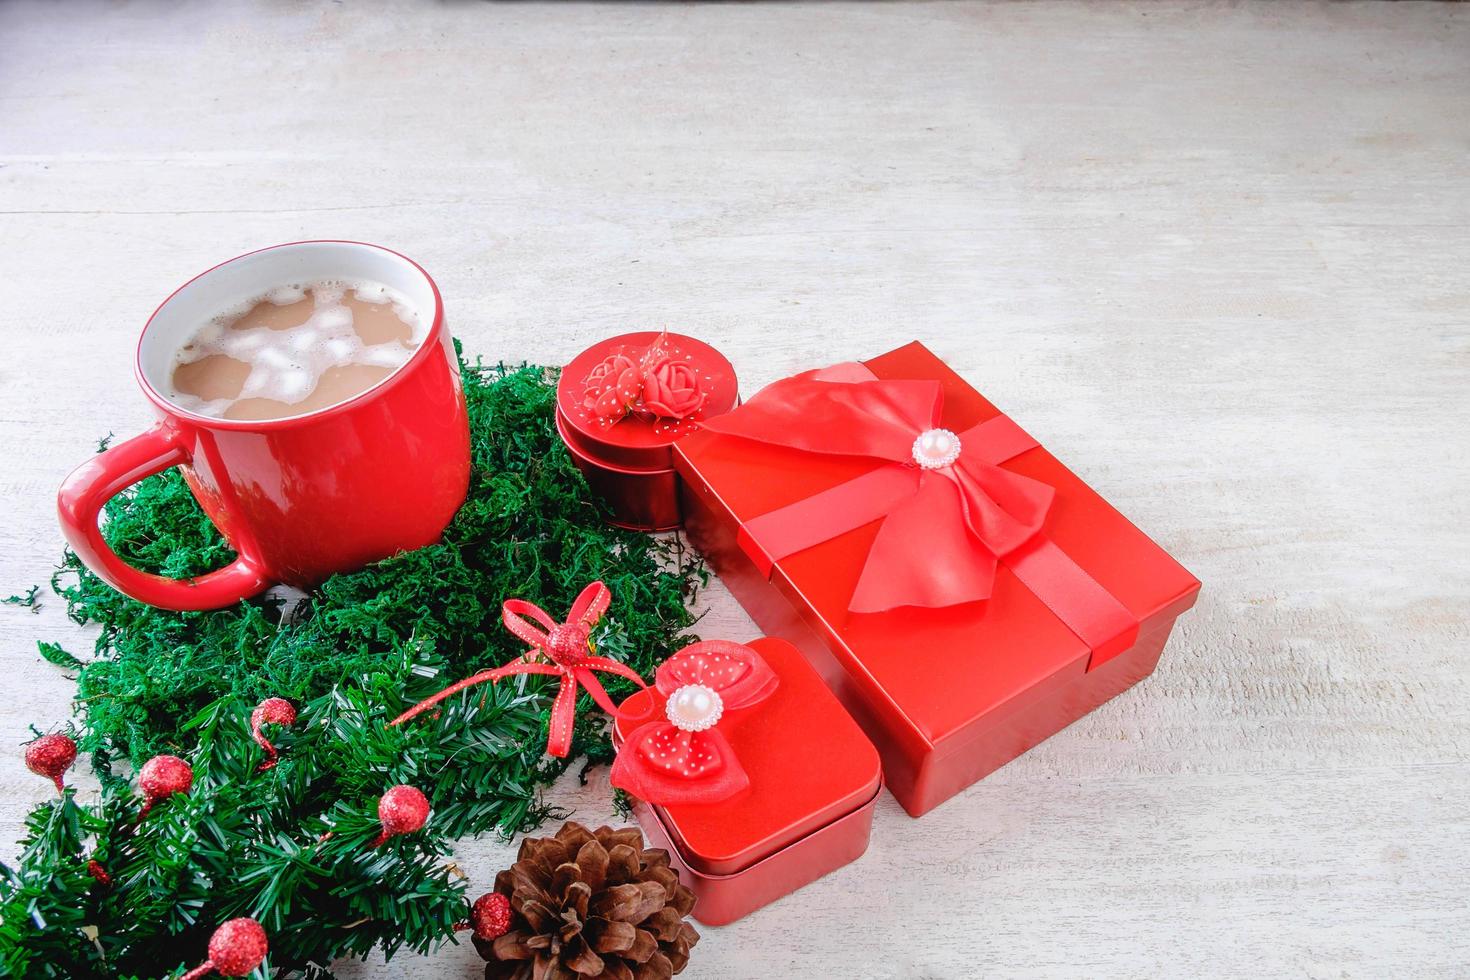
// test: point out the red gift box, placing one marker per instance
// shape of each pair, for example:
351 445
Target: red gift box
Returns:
947 692
629 463
813 782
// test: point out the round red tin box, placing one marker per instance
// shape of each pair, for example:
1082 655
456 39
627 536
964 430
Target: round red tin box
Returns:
630 463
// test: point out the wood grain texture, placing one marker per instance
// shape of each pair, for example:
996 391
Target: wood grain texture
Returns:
1214 256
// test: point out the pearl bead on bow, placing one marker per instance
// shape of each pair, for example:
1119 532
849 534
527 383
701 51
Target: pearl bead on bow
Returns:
694 708
936 449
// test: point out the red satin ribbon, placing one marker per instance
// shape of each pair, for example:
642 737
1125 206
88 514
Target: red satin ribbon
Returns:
564 644
663 763
944 530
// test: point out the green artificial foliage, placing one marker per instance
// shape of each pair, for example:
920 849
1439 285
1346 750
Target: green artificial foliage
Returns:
30 600
355 652
285 847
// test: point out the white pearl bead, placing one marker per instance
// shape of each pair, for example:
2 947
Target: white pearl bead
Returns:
694 707
936 448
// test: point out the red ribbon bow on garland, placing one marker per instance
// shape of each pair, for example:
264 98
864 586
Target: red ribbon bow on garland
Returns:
567 645
655 381
949 512
684 758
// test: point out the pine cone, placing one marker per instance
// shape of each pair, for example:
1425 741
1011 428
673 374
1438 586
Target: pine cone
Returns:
590 904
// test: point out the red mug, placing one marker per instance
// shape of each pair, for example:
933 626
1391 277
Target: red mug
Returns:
300 497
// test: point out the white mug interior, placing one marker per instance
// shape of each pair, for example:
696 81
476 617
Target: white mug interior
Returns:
240 280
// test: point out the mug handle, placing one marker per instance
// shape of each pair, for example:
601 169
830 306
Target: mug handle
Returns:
97 481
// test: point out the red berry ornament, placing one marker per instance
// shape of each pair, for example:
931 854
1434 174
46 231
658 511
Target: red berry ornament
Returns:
235 950
96 870
567 643
402 810
50 756
161 777
271 711
237 947
490 916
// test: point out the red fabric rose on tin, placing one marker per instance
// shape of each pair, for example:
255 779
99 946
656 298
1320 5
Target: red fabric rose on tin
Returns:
613 387
671 389
656 381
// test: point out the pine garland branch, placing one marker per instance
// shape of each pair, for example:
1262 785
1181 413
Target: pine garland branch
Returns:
290 846
528 529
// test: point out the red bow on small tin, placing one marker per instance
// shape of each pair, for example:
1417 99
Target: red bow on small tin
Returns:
684 757
654 381
568 647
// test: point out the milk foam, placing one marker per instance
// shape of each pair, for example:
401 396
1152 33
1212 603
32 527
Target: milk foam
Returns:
286 364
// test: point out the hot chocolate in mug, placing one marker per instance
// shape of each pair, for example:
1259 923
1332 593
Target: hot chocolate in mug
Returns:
302 496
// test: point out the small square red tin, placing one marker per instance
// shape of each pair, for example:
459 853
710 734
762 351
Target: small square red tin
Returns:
629 463
947 693
814 780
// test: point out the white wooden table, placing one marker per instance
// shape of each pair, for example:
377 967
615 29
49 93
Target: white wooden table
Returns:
1215 257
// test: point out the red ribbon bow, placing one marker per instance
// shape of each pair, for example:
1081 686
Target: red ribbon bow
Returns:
685 758
966 511
949 512
568 647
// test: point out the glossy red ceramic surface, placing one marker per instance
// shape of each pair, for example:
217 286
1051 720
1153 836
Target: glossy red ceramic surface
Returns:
629 464
947 694
297 498
814 777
